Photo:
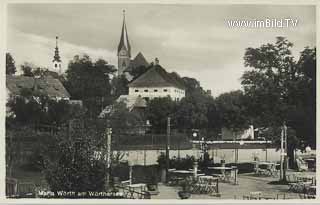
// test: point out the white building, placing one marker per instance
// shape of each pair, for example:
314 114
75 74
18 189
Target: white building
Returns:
156 82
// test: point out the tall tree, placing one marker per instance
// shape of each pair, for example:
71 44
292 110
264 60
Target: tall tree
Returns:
10 65
119 86
27 69
90 82
158 110
280 90
232 109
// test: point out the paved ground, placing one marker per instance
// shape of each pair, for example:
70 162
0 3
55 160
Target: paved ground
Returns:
247 183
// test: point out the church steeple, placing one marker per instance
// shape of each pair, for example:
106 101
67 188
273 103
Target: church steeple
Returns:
56 56
56 59
124 40
124 48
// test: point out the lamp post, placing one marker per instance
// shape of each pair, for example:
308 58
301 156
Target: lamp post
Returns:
167 149
147 126
283 154
108 155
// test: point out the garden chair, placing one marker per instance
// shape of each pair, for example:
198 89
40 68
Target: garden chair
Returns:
255 195
301 164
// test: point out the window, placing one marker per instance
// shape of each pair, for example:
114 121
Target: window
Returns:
146 91
136 91
55 65
155 90
165 90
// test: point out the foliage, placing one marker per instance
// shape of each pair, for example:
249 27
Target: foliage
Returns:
280 89
158 110
90 82
232 110
27 69
119 86
10 65
34 108
72 165
176 163
122 119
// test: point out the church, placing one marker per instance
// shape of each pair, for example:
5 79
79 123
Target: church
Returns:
153 83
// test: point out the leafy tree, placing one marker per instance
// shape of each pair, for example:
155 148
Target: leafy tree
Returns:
34 108
27 69
90 82
279 89
71 165
10 65
119 86
158 110
193 112
231 107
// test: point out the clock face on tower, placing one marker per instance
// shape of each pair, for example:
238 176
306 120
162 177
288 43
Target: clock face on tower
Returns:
123 52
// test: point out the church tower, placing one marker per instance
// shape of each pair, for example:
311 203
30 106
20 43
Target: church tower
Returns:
56 59
124 49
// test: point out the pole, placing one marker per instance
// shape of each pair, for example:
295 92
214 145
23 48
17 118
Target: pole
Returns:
167 149
266 150
108 154
285 152
281 154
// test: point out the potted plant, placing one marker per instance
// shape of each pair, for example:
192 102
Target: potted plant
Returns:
185 192
153 183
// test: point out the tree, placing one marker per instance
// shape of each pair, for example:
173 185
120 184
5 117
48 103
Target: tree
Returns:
278 87
232 109
71 164
27 69
119 86
10 65
90 82
33 108
158 110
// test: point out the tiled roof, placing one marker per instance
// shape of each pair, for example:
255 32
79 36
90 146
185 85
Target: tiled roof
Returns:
138 61
130 101
155 76
46 85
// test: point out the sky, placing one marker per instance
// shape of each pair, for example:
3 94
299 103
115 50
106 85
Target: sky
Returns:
192 40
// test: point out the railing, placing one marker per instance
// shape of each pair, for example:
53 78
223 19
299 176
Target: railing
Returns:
131 194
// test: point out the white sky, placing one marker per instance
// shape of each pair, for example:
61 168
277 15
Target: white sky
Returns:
193 40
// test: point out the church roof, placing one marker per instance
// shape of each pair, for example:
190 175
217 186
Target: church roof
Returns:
124 40
138 61
45 85
156 76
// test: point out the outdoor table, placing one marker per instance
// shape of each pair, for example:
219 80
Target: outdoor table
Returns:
176 176
181 172
271 168
223 171
133 187
305 178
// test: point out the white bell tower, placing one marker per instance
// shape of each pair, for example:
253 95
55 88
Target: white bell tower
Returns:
56 59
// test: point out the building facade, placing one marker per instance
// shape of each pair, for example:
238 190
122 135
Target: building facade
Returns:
156 82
